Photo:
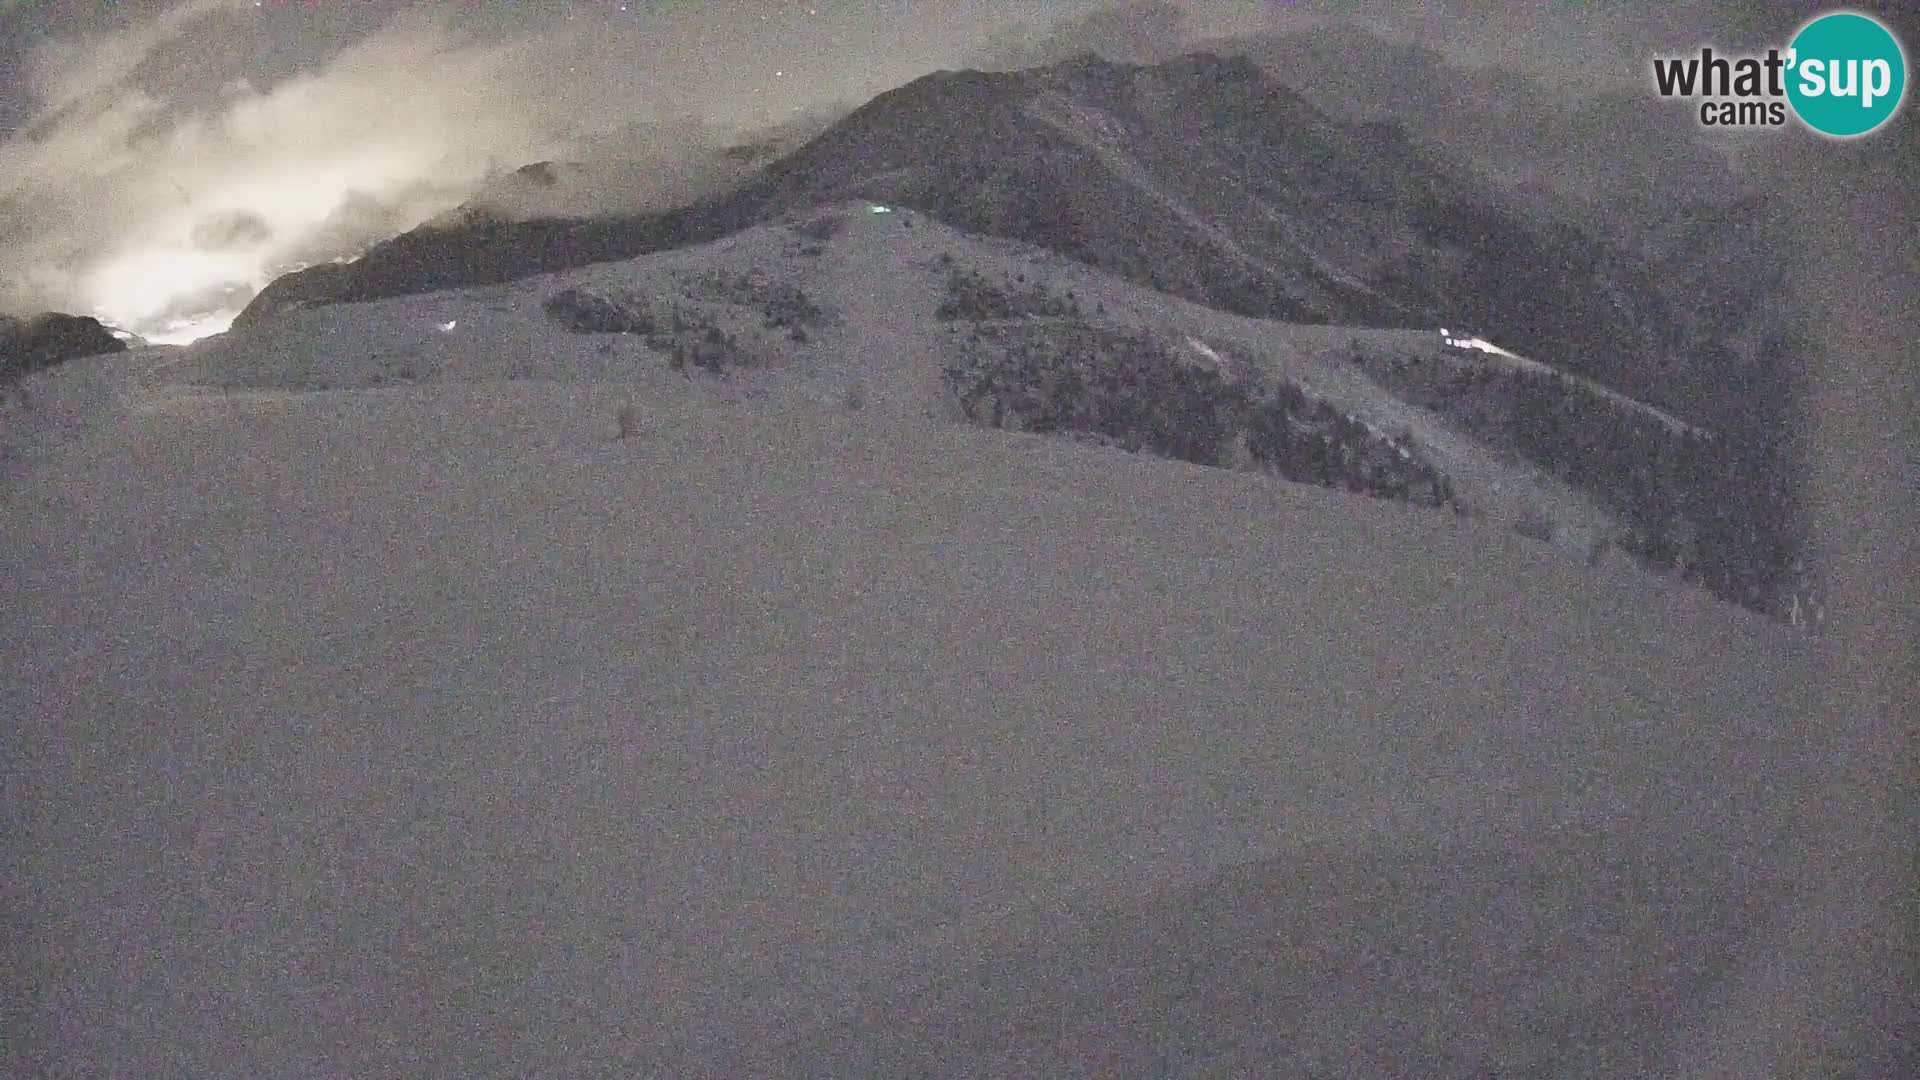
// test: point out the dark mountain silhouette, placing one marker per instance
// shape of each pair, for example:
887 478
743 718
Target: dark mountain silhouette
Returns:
1612 160
28 345
1617 164
501 195
479 253
1205 178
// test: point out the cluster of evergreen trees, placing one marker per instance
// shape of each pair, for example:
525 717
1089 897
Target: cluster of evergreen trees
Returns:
1309 441
1135 391
972 295
687 337
1701 505
585 312
782 305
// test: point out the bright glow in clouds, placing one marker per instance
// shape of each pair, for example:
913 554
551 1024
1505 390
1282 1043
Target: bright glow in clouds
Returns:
165 284
137 290
167 220
164 211
224 141
169 168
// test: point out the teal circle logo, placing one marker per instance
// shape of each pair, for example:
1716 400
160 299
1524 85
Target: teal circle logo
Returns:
1846 74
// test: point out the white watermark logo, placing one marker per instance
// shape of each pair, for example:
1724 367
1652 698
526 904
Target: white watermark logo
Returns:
1844 74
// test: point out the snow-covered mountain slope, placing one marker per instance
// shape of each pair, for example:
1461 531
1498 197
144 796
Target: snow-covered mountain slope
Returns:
1201 177
1206 179
429 728
878 279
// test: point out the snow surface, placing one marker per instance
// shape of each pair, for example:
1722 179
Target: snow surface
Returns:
432 730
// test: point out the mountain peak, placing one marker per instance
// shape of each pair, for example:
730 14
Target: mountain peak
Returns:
1201 176
544 173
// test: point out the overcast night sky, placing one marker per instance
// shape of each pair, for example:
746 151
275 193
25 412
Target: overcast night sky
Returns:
129 127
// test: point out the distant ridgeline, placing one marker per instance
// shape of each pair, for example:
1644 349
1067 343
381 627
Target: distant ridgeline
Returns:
28 345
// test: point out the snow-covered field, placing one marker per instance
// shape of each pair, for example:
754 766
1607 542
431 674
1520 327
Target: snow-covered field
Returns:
430 729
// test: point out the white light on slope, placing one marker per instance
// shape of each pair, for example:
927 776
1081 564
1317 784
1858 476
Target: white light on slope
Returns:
1481 344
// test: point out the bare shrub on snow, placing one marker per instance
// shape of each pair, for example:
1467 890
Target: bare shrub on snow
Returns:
973 296
585 312
782 305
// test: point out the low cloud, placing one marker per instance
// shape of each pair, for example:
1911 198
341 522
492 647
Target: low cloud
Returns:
1137 32
135 196
231 230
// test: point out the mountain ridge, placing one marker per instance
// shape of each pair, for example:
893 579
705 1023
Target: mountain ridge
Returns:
41 341
1204 178
1000 153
